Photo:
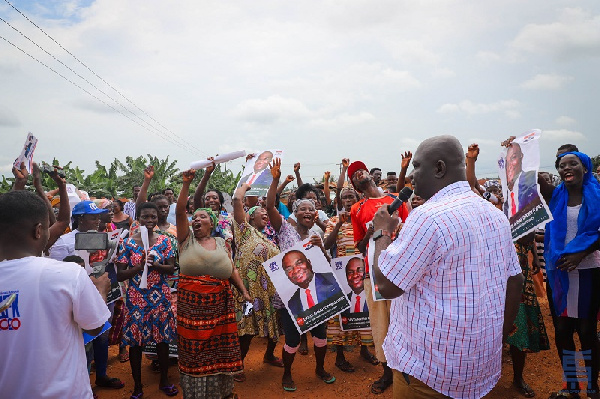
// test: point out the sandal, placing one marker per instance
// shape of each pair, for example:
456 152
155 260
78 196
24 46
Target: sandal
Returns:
138 396
564 394
524 389
170 390
326 377
107 382
239 377
345 366
370 358
277 362
124 357
380 386
288 386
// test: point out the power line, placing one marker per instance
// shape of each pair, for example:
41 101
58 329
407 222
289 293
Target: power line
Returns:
89 93
83 78
187 144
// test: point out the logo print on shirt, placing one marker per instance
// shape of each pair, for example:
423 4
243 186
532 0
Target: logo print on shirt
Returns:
11 323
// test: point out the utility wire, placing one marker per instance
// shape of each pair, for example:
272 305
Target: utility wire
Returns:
188 144
83 78
89 93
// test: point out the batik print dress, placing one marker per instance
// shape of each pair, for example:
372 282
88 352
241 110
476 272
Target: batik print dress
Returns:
148 315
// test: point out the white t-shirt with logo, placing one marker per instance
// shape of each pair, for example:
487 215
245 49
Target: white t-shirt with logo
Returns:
41 342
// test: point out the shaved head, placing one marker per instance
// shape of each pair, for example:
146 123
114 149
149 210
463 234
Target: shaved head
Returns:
439 161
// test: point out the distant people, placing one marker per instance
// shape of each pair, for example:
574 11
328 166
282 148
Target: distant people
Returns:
42 346
312 287
120 218
129 207
376 175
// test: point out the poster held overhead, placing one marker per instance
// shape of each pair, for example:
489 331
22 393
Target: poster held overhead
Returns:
26 156
203 163
258 174
518 167
307 285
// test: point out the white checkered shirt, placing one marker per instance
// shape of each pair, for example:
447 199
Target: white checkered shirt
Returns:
129 209
452 259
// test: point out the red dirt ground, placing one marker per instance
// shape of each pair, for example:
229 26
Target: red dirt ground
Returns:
542 372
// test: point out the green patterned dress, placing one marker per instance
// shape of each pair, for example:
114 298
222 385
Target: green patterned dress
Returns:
529 332
252 248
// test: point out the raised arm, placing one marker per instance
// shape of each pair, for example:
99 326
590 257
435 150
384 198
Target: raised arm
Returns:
39 190
283 185
297 173
406 158
340 184
64 211
143 195
546 189
199 194
238 203
330 236
183 226
21 176
472 154
326 189
274 216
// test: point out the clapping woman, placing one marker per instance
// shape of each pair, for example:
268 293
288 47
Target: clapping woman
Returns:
209 349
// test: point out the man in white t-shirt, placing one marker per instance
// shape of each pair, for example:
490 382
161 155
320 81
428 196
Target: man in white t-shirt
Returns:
42 347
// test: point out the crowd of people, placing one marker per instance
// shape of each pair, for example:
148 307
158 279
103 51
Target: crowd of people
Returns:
456 286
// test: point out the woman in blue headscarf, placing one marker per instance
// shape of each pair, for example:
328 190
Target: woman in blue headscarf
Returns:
572 258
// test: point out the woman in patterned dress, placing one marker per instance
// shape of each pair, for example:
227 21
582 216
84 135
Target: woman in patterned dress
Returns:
252 249
148 316
208 344
339 232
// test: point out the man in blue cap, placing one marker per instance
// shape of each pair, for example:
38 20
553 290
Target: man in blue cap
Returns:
86 217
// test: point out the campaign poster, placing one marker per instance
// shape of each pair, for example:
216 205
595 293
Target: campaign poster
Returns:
115 293
518 169
307 285
150 348
350 272
258 174
26 156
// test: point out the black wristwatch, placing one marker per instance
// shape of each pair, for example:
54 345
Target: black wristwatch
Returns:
380 233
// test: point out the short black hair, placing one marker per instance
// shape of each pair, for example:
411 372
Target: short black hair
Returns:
167 188
304 189
158 197
118 201
74 258
146 205
19 206
374 170
568 148
351 259
391 173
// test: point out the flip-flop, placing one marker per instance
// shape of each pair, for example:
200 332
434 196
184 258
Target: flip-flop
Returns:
345 366
291 387
123 357
239 377
524 390
170 390
326 377
138 396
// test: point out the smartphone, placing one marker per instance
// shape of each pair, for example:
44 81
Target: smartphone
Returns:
91 240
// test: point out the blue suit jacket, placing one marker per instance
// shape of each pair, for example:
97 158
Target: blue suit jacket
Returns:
527 191
365 308
326 287
264 179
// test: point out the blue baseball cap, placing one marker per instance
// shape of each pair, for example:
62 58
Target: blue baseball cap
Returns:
87 208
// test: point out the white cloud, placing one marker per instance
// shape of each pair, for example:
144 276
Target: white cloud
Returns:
575 34
8 117
471 108
443 73
563 134
546 81
488 57
270 110
343 120
565 120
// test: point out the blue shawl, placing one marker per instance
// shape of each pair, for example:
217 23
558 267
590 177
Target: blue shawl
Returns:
588 223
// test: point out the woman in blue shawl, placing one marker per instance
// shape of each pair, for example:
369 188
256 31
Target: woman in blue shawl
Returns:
572 258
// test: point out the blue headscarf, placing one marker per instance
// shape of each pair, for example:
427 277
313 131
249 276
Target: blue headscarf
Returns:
588 223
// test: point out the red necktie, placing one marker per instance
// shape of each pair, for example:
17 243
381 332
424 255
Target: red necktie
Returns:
513 206
357 305
309 299
252 179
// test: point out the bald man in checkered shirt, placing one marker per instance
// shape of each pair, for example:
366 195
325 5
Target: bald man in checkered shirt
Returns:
456 280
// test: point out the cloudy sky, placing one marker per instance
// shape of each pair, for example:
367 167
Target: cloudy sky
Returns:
323 80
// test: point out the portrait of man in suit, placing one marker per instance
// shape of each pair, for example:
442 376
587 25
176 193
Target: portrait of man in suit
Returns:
260 175
355 275
522 188
312 287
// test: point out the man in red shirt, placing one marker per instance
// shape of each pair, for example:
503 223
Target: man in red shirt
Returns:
362 213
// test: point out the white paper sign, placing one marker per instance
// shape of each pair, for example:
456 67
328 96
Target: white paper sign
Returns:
144 234
218 159
26 156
